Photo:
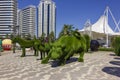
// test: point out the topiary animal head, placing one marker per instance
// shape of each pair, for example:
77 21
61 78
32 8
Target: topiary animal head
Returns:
15 39
77 34
56 52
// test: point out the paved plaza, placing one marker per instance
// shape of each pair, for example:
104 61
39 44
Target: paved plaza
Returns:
97 66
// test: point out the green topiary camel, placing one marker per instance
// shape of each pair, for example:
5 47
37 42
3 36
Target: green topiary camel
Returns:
65 47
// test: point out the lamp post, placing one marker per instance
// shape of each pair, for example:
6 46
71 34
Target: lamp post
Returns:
10 30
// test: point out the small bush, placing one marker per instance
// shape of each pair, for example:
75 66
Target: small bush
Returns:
116 45
87 38
105 49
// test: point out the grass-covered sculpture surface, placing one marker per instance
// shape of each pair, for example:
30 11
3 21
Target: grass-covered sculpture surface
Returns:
24 44
69 42
44 48
45 44
36 45
42 45
65 47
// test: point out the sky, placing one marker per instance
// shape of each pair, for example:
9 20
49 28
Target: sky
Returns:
77 12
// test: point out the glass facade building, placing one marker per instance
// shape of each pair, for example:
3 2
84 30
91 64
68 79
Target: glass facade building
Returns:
27 20
8 16
46 17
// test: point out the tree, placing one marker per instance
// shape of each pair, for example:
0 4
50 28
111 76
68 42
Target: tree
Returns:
67 30
23 35
6 36
51 37
42 38
116 46
87 39
41 47
1 37
28 37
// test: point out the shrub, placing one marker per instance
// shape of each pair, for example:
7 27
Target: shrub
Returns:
105 49
87 38
116 45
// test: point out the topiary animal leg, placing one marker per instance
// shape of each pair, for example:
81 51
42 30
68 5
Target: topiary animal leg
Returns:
45 60
14 48
34 52
23 52
64 59
67 57
47 53
61 62
37 52
41 55
80 59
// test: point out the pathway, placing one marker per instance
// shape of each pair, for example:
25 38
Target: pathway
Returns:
97 66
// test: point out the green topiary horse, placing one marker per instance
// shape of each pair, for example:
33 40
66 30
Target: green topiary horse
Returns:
65 47
24 44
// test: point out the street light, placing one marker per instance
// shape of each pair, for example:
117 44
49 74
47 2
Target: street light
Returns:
9 26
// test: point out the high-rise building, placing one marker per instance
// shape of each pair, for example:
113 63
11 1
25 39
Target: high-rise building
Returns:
8 16
46 17
27 21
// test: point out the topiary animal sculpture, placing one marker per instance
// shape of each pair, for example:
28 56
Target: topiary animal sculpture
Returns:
42 50
65 47
36 45
24 44
44 47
